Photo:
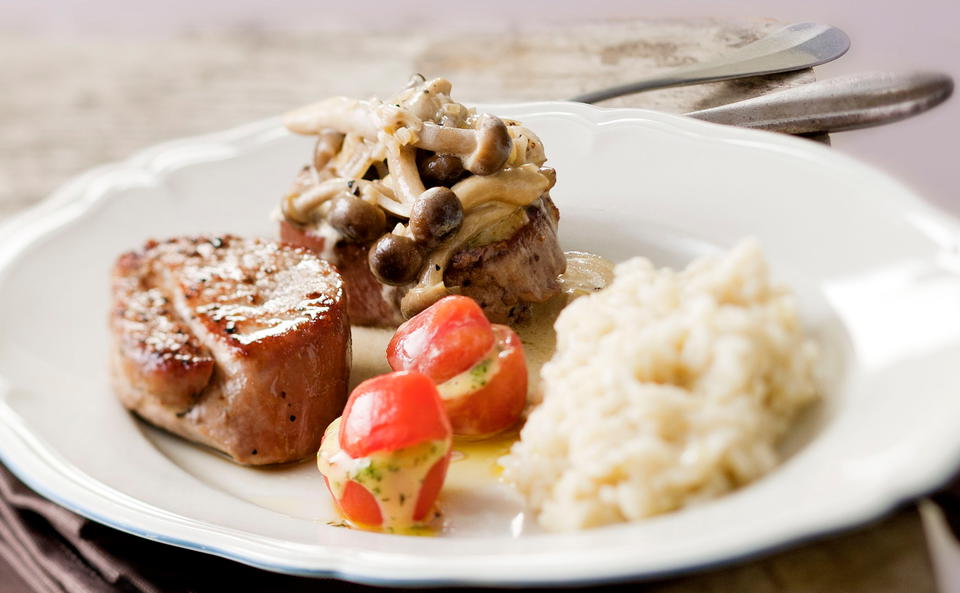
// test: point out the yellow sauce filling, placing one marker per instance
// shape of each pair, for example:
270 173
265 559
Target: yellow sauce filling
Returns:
474 378
394 478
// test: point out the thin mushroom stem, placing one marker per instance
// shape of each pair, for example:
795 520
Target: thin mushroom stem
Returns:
483 150
371 190
348 116
458 141
300 207
394 207
430 288
379 193
354 158
404 175
519 186
328 145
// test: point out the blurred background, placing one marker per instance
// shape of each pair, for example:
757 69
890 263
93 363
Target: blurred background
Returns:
87 83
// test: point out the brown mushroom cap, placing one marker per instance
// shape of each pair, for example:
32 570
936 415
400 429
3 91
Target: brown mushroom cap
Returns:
356 219
435 215
483 149
493 146
441 169
395 260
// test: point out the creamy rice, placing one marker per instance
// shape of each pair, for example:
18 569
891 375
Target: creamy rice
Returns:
666 389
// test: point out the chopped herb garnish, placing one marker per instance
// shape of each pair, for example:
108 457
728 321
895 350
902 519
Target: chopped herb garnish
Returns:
370 472
480 370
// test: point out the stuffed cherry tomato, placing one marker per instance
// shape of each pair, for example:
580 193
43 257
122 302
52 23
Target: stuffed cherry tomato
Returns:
385 459
479 367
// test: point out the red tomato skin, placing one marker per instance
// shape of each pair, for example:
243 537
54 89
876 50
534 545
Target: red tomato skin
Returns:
357 504
442 341
391 412
431 487
497 405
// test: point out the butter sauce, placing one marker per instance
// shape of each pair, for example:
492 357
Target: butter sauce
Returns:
476 462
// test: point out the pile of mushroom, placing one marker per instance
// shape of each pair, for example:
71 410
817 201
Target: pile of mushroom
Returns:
437 171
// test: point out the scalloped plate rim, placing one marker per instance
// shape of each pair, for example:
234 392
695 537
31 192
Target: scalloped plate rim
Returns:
21 230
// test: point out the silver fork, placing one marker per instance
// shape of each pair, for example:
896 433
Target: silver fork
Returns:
794 47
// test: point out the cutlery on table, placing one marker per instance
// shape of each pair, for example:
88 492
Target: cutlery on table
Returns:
795 47
843 103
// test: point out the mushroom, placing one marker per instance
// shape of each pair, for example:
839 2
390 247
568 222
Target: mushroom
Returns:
515 185
425 97
441 169
356 219
404 176
527 147
551 174
436 215
483 150
349 116
422 296
328 145
299 207
430 287
380 193
355 157
394 259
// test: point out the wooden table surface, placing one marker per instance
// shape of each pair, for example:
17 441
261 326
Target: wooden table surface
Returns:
81 102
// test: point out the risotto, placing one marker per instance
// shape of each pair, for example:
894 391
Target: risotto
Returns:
666 388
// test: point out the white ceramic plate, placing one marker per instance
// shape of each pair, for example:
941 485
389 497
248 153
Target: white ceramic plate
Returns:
876 270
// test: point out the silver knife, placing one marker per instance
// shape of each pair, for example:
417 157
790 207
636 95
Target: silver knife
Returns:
837 104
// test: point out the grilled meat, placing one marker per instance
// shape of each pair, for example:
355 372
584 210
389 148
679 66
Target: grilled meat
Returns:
504 275
243 345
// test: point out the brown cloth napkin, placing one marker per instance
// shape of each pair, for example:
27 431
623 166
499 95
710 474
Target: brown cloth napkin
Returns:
948 500
55 551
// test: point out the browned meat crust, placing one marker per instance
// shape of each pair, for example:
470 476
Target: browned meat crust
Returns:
505 276
369 303
243 345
